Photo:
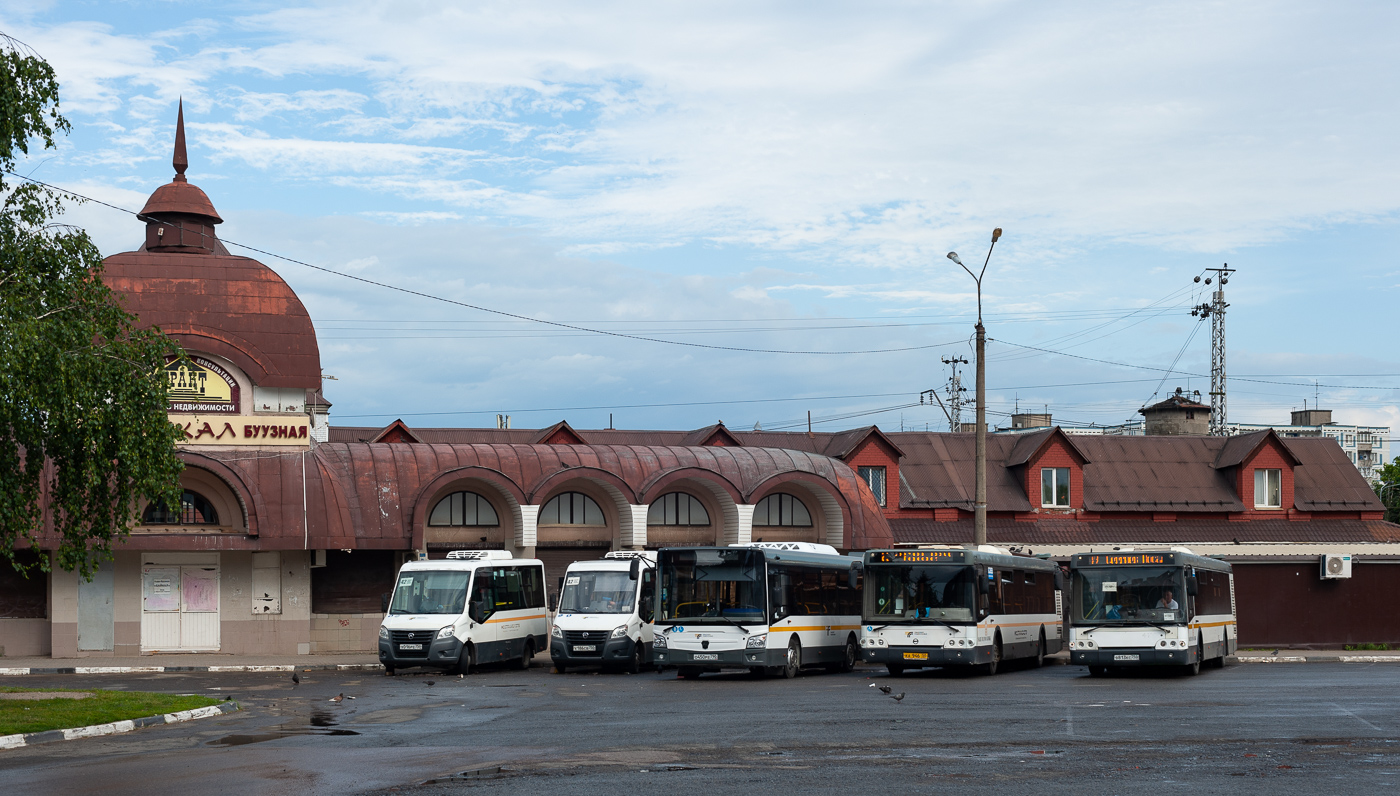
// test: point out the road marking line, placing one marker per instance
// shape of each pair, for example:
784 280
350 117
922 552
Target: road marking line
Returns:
1358 718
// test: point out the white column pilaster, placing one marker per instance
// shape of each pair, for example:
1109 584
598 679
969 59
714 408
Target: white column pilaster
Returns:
638 534
743 534
526 536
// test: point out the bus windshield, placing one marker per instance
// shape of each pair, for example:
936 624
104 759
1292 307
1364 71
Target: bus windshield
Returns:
1144 594
430 592
895 593
606 592
708 585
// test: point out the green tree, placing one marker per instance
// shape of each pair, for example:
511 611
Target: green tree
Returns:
1389 475
83 427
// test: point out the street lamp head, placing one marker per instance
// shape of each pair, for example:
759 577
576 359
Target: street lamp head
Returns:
954 257
996 234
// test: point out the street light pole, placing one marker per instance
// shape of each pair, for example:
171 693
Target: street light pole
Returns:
979 505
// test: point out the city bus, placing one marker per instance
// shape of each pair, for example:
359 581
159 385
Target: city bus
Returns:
1151 608
477 606
773 608
604 613
946 607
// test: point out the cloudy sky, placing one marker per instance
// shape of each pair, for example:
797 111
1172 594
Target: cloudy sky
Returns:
774 186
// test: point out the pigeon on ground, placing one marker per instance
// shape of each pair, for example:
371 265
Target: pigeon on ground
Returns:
430 683
296 679
884 689
1275 652
338 698
899 698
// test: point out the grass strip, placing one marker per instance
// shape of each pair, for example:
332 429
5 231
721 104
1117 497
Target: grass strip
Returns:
21 716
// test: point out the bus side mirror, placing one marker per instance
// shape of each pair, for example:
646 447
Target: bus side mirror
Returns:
853 577
984 586
561 584
384 603
635 570
553 602
1059 579
1191 587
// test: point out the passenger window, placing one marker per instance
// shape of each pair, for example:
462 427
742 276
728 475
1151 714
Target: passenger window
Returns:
509 591
483 601
532 584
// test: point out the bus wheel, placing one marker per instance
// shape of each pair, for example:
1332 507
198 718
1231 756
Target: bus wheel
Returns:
1194 669
793 664
634 663
464 663
1098 671
895 671
990 667
527 655
689 672
1040 650
848 658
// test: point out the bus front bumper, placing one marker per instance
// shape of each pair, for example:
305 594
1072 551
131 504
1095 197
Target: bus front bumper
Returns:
719 659
1133 656
915 657
443 653
614 651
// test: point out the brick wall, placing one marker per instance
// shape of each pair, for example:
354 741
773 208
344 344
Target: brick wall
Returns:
1269 456
1055 454
875 453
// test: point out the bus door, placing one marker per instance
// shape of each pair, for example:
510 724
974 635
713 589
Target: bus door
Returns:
481 609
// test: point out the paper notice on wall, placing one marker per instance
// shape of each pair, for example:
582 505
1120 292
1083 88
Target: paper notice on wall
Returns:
200 591
161 589
1110 586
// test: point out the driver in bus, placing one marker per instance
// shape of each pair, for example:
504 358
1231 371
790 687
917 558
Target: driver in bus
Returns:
1167 601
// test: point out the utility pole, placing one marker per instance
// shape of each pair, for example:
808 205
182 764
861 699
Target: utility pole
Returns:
979 504
955 394
1215 310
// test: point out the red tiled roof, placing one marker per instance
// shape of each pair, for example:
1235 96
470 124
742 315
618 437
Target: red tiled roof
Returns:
1071 532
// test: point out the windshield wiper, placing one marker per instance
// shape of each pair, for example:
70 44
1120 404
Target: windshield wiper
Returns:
731 621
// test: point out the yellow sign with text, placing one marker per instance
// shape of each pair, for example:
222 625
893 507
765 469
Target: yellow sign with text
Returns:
244 430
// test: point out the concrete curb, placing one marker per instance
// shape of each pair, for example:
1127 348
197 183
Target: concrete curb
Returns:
1312 659
287 667
113 728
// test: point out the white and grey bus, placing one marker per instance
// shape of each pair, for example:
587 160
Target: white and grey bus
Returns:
605 610
959 607
477 606
1151 608
769 607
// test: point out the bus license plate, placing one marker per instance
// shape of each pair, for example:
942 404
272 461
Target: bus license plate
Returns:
585 648
1125 657
916 656
705 656
410 646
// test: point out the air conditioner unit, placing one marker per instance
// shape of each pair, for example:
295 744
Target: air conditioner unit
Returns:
1336 566
478 555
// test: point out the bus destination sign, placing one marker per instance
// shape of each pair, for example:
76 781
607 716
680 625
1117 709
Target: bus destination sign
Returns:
1123 559
917 556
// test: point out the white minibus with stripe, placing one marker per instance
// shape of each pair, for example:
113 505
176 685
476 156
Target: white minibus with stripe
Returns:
477 606
604 616
1133 608
769 607
971 607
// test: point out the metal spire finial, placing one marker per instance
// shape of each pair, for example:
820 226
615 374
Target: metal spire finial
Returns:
181 161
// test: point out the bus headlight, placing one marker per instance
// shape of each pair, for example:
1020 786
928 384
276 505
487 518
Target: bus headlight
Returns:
658 642
384 632
446 632
620 632
556 632
757 642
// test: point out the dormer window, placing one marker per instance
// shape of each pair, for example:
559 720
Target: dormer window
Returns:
1268 489
1054 487
874 477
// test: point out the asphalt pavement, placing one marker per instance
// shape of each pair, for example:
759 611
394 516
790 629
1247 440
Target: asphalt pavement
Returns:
1246 728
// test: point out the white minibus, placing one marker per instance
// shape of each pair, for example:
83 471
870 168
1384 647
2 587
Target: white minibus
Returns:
1151 608
769 607
964 606
477 606
604 613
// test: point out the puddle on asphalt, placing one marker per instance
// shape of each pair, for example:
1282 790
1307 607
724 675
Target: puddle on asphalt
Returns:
321 723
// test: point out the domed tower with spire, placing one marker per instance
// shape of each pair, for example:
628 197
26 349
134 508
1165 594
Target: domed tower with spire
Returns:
254 357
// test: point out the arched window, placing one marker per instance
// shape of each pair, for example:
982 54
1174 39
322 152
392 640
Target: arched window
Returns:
677 508
781 509
194 510
462 509
571 508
